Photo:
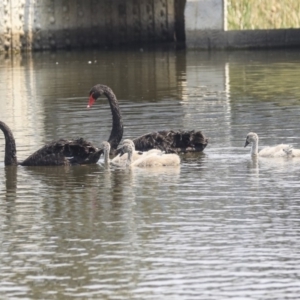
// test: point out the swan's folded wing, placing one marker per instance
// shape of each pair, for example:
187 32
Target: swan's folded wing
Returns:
172 141
153 140
63 152
281 150
81 152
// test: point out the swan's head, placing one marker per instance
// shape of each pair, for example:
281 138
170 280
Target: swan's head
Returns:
130 142
251 137
105 146
126 146
95 92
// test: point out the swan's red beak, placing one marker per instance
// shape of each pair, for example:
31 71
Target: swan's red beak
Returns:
91 101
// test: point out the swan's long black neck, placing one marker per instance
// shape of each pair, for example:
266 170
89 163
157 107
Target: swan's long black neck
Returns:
10 146
117 123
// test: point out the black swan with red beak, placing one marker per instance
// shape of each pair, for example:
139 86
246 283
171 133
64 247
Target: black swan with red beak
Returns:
66 152
170 141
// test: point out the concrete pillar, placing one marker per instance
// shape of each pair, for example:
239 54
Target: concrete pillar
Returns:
205 15
204 18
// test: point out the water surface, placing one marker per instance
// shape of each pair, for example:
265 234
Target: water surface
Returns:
221 226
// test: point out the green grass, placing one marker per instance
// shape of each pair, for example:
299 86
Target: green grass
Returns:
263 14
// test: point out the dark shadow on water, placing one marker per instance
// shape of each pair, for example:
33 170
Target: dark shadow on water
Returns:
11 179
58 176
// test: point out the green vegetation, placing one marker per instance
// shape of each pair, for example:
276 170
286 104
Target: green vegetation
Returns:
263 14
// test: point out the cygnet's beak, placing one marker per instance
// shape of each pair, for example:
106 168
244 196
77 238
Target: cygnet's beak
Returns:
120 150
122 153
246 143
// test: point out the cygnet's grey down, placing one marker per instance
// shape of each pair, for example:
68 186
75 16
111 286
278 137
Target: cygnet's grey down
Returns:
121 159
148 159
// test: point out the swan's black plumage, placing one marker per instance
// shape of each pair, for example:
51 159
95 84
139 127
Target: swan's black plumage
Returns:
64 152
61 152
170 141
10 155
68 152
117 122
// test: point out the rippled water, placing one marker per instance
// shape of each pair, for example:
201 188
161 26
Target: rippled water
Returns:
222 226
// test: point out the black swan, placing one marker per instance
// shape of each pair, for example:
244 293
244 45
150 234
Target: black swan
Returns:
170 141
67 152
61 152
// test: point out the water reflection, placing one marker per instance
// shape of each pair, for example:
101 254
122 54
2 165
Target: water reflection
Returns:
10 179
222 225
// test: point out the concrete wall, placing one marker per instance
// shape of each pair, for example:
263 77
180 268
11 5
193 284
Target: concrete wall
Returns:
56 24
63 24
